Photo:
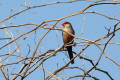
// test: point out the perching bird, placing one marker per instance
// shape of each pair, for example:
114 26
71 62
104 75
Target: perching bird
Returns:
67 38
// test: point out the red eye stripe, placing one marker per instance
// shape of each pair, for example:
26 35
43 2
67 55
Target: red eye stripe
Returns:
65 23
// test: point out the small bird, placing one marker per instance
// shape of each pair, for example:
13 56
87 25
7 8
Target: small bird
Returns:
67 38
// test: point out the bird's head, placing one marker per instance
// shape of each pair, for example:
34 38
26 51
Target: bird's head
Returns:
66 24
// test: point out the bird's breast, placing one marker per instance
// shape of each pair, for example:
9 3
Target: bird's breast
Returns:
66 37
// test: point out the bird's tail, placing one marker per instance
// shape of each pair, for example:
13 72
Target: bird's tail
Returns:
69 49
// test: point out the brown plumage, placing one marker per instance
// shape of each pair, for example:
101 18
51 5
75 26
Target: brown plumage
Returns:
68 39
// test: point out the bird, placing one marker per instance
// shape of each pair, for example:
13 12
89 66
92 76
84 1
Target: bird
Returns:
67 38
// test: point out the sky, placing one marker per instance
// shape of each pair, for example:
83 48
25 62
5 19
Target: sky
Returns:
89 26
